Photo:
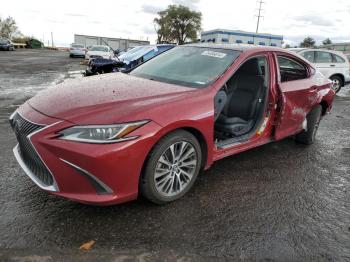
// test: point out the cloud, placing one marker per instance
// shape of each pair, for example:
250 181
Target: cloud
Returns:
314 20
296 39
149 30
95 22
192 4
151 9
75 15
54 21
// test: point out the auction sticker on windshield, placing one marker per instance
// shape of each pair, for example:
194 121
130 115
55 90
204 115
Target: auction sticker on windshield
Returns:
214 54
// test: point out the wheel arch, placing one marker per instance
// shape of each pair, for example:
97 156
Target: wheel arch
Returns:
195 132
202 142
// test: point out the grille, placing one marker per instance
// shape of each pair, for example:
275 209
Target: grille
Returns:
30 157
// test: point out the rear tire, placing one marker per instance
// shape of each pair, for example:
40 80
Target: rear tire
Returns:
313 120
337 83
171 168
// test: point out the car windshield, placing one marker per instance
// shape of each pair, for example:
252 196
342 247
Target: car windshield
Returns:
3 41
135 53
99 48
189 66
78 46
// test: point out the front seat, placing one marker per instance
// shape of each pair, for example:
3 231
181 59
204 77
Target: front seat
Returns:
244 100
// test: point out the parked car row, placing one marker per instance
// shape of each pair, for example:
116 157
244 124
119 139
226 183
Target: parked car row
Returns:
332 64
105 140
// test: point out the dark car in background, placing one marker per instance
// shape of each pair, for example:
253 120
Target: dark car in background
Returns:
6 45
126 61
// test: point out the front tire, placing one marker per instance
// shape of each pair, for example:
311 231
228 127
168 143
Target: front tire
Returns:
337 83
171 168
313 120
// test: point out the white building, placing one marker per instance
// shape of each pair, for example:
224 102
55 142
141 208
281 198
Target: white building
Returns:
341 47
223 36
115 43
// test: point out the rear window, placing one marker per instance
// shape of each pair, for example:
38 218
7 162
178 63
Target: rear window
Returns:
291 70
99 48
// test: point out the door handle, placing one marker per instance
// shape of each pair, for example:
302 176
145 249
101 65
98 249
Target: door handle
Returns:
332 65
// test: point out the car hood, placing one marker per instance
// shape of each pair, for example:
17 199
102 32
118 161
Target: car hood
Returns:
122 95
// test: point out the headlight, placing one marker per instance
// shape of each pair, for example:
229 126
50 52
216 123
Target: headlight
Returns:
103 134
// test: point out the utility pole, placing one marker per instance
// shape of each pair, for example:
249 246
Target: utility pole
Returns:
259 14
52 39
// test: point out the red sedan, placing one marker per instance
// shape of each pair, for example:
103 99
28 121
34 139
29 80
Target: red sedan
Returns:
103 140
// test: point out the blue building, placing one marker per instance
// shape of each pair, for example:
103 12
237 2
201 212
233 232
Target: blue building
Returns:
223 36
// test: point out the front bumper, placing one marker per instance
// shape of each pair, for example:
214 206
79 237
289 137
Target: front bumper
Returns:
101 174
5 48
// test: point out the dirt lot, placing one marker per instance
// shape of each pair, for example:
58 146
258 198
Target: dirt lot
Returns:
279 202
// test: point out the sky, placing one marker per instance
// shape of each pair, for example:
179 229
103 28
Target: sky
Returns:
134 18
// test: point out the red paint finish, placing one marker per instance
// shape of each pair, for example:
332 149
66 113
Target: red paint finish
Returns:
119 98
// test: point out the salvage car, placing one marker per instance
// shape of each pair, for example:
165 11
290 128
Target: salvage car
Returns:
109 138
77 50
332 64
6 45
99 51
126 61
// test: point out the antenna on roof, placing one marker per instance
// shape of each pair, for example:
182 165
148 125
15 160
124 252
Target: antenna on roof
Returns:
261 2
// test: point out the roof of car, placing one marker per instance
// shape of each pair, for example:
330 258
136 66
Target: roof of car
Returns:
316 49
296 49
237 47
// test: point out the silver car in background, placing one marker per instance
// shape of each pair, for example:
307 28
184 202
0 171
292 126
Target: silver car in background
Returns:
332 64
77 50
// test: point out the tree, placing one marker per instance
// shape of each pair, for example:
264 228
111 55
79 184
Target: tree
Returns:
287 46
327 41
308 42
162 30
8 28
178 24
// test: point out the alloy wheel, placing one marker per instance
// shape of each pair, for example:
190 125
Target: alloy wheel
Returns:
175 168
336 84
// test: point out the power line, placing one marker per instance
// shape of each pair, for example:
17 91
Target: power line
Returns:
259 14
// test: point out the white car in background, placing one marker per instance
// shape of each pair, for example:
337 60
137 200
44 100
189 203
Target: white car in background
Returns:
99 51
332 64
77 50
348 56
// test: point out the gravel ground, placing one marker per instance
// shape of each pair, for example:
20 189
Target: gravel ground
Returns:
278 202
